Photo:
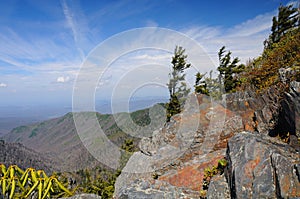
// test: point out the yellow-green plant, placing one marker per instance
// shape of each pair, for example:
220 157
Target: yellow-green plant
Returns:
209 173
16 183
203 194
222 163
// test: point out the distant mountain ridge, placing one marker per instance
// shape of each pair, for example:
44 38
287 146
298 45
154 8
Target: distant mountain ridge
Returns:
13 116
58 139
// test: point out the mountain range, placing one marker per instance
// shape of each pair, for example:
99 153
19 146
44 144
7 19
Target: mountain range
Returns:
58 140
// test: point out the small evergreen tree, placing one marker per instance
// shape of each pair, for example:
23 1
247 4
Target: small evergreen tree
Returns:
214 86
177 87
287 19
201 85
229 70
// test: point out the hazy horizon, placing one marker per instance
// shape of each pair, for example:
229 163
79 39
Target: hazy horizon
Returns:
14 116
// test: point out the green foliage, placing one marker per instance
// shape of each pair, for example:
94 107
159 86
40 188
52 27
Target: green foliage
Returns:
287 19
108 191
229 70
222 163
177 87
16 183
128 145
173 107
263 73
201 85
214 86
97 181
209 86
282 50
209 173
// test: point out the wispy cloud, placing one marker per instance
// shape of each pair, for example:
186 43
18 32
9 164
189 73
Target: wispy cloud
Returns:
202 32
245 40
83 36
71 23
253 26
29 54
3 85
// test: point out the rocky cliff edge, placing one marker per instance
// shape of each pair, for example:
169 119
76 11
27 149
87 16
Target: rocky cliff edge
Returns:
171 163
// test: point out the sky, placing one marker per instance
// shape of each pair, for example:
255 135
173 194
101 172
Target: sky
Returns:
44 44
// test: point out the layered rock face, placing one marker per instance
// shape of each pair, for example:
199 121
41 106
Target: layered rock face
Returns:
262 167
171 163
289 118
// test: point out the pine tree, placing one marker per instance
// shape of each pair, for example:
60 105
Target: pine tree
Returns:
287 19
200 84
214 86
177 87
229 70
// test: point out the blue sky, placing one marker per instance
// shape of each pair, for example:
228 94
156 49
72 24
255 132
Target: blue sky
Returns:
43 43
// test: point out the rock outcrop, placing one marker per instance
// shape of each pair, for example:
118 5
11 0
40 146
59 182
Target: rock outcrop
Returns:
289 117
218 188
171 163
260 167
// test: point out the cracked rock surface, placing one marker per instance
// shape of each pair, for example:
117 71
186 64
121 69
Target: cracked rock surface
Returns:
262 167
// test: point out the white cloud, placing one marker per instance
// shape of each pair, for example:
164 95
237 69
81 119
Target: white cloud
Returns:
253 26
245 40
63 79
3 85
